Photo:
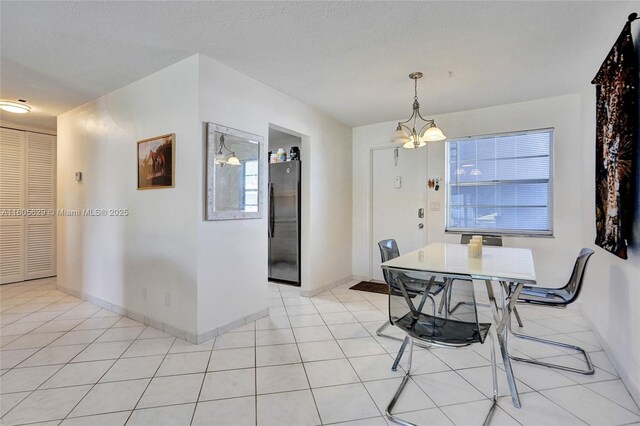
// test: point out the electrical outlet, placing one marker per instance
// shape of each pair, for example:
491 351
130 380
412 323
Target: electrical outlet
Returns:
167 299
144 293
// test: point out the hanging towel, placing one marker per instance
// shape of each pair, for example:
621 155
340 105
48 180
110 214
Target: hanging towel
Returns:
616 125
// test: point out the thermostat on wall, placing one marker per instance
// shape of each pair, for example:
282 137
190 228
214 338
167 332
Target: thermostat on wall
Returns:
397 182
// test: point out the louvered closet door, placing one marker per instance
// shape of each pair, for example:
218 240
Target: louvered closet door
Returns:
40 228
12 201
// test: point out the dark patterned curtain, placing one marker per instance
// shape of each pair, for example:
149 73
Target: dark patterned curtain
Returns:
616 123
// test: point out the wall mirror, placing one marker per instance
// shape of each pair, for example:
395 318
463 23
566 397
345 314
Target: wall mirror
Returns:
235 174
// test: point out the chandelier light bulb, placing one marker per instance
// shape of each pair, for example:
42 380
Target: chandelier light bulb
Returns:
400 136
220 158
233 160
433 134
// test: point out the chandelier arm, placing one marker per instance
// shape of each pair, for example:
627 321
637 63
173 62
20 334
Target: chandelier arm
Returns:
409 119
425 127
406 128
222 145
427 120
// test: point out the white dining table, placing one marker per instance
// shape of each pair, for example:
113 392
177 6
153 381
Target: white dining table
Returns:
504 265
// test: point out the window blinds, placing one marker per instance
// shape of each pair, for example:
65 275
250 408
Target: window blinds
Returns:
500 183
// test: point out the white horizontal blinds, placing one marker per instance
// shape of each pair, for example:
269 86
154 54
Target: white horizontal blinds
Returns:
12 169
40 199
500 183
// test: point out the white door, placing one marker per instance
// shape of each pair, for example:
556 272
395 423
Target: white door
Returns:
27 203
12 189
399 187
40 229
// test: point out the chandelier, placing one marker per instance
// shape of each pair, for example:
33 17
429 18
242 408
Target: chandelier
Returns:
410 137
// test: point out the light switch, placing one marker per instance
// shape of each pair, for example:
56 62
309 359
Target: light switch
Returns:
397 182
434 206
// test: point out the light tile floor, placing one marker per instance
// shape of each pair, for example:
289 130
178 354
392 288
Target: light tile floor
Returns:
312 361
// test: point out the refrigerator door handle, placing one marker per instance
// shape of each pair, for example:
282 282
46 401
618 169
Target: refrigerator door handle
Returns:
271 211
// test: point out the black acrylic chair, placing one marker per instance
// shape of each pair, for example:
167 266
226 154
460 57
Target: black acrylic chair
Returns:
425 327
487 240
558 298
414 286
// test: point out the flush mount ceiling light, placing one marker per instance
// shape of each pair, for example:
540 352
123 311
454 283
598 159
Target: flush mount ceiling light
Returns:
410 137
228 158
19 107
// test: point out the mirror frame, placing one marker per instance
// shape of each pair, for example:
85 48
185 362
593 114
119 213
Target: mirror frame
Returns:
211 213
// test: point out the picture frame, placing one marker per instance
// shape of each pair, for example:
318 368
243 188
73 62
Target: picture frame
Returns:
236 172
156 162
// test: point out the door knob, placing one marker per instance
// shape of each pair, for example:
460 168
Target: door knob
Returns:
421 225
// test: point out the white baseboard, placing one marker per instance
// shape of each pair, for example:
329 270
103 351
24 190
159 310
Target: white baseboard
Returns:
208 335
633 388
185 335
329 286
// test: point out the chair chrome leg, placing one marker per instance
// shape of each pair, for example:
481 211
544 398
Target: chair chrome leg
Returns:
388 336
452 310
588 371
396 396
494 373
406 340
517 314
444 297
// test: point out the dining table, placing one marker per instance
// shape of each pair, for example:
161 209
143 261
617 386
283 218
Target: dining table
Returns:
506 266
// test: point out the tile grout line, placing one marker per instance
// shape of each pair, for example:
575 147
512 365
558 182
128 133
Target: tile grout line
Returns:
98 381
204 377
150 380
58 370
315 403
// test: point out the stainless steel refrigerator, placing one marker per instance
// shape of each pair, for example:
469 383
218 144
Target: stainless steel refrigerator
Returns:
284 222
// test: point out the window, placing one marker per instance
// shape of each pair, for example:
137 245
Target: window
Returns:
500 184
250 185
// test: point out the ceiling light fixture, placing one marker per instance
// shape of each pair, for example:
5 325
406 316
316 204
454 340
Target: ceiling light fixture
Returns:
19 107
409 137
222 158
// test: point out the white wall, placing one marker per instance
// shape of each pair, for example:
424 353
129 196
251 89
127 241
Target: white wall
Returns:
215 272
611 296
553 256
232 255
155 247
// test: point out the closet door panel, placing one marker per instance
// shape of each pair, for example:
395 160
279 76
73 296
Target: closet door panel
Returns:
12 197
11 250
40 228
40 255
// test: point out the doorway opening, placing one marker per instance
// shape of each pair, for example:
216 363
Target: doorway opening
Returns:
284 199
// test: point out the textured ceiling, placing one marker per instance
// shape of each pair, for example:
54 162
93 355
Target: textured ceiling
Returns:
348 59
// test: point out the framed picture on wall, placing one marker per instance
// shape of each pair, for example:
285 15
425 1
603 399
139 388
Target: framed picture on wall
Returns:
156 160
